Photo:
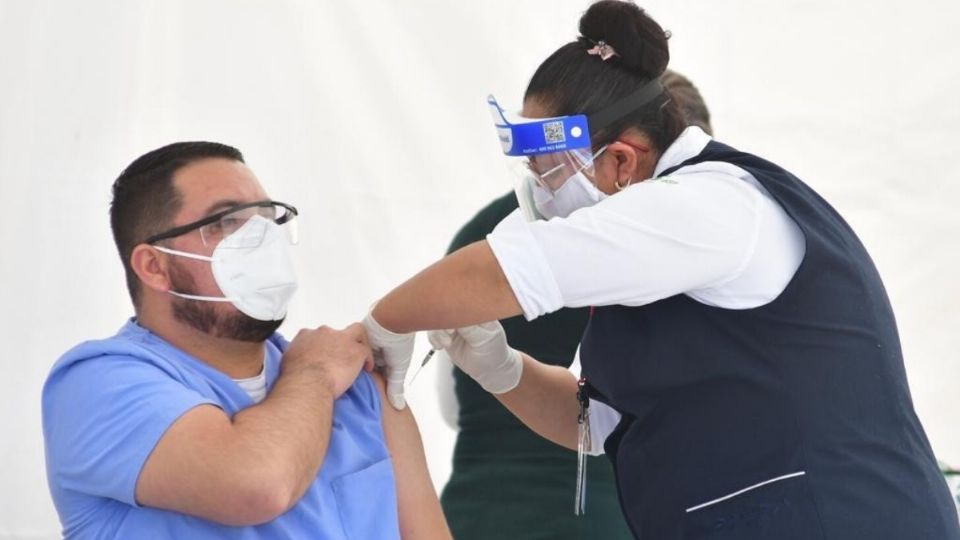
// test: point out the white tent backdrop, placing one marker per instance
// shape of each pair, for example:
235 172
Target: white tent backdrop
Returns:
370 117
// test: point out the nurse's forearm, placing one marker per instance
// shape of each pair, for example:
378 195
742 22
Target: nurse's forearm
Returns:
465 288
545 400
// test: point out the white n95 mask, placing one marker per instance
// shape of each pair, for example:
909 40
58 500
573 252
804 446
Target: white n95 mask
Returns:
577 192
256 277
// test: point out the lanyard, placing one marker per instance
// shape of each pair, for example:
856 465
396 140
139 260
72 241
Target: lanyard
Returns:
583 445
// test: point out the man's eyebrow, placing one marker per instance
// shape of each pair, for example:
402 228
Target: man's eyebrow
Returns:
220 205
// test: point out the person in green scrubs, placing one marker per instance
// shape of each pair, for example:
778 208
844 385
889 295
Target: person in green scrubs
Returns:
507 481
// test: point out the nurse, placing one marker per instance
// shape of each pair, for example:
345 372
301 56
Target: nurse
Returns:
739 328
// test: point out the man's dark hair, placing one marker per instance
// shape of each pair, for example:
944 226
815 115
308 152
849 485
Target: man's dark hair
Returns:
145 199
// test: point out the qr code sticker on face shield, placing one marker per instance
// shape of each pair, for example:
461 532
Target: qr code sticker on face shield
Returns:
553 132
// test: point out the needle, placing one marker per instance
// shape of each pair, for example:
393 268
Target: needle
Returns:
422 363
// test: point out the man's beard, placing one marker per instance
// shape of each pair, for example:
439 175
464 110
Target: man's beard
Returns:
201 315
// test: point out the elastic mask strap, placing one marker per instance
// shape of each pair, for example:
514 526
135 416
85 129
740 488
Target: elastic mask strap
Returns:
645 94
591 164
199 258
204 298
184 254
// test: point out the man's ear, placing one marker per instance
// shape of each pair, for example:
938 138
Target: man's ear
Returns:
150 267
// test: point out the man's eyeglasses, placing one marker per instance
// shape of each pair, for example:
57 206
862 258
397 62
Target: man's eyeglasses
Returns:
216 227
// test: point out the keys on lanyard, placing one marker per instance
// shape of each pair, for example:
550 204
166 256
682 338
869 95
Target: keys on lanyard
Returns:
583 446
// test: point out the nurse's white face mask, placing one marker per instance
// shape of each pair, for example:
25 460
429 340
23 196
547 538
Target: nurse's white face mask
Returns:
577 192
252 267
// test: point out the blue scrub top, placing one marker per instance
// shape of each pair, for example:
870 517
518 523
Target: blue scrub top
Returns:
107 403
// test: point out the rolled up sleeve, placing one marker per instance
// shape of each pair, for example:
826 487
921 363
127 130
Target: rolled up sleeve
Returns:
525 266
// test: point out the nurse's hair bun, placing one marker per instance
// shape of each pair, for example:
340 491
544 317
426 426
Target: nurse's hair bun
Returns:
639 42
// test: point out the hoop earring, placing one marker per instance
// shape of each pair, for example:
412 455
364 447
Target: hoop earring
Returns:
616 183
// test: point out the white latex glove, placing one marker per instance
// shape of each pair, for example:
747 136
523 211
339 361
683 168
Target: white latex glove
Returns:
482 352
391 351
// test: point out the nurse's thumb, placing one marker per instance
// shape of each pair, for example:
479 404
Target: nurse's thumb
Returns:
395 379
481 334
440 339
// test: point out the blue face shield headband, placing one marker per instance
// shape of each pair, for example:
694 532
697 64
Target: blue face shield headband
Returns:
537 136
522 136
553 150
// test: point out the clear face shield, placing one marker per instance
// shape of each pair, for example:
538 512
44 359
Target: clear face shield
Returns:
544 154
553 160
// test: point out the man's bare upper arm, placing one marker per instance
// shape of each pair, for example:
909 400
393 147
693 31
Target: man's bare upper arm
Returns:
417 502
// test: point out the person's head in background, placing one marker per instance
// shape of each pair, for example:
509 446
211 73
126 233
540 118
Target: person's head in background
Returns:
620 50
687 96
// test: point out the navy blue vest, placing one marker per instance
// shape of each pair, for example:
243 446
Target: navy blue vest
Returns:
788 421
